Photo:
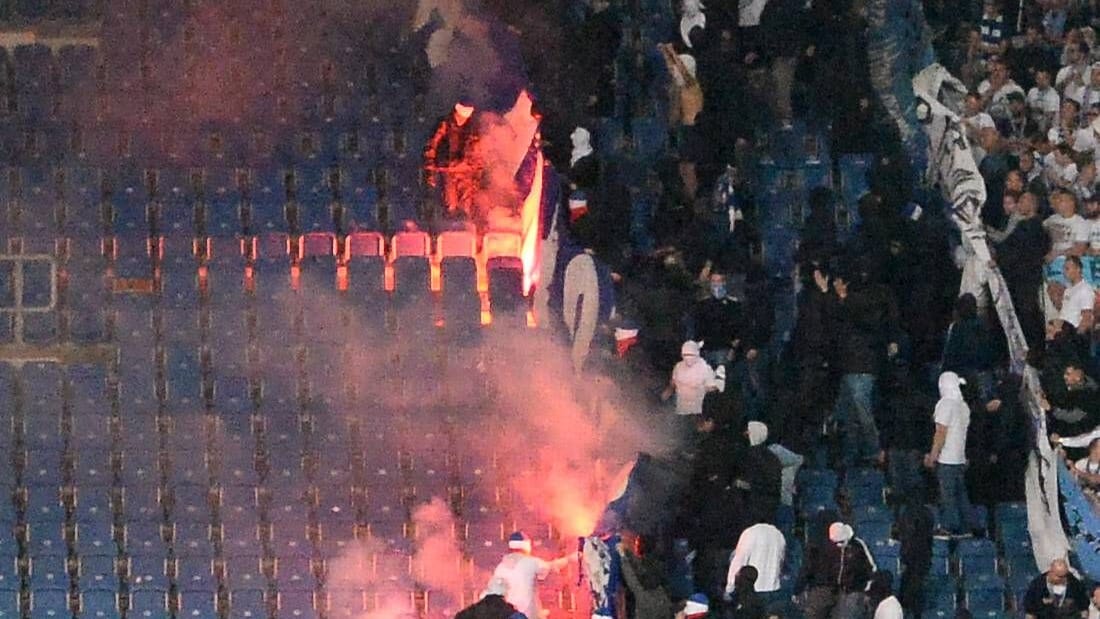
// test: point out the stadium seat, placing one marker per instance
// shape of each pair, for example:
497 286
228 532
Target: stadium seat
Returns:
222 202
294 604
50 602
271 269
247 604
149 603
9 604
365 257
146 572
267 202
97 573
411 270
977 557
317 261
98 604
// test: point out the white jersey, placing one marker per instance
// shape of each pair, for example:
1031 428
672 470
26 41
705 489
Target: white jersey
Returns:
522 573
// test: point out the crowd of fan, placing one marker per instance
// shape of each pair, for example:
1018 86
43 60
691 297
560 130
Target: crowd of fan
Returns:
880 325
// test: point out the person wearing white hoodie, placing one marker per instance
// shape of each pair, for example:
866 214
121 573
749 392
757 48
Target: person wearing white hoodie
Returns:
691 380
948 457
762 546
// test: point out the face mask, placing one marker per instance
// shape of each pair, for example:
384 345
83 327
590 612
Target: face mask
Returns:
691 361
1058 590
718 291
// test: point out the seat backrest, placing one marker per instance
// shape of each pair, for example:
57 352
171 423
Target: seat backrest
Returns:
456 243
317 245
407 244
501 244
364 244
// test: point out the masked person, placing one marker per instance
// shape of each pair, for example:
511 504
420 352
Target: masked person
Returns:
492 604
691 380
835 575
521 571
450 158
948 457
1057 594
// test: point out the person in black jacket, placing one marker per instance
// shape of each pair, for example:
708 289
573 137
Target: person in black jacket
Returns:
492 604
905 430
864 320
759 476
969 349
812 351
718 321
835 575
1057 594
1020 250
915 526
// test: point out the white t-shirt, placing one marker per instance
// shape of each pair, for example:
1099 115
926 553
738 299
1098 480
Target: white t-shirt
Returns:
1085 466
954 414
1056 172
1094 233
1062 78
522 572
1064 232
1045 101
761 546
981 120
890 608
1078 298
692 382
749 12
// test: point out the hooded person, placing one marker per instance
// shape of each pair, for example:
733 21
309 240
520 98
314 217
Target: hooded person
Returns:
759 475
521 571
880 597
834 575
692 378
747 603
692 17
584 167
492 604
761 547
451 156
948 456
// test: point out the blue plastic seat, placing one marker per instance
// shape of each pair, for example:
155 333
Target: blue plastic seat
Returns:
314 198
86 295
149 603
44 507
9 604
97 573
244 572
175 214
140 472
129 199
985 594
147 572
9 569
977 557
294 604
195 574
271 269
267 197
293 573
97 604
49 602
92 466
82 189
88 395
96 538
48 572
317 261
247 604
145 538
183 373
222 202
93 504
193 540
